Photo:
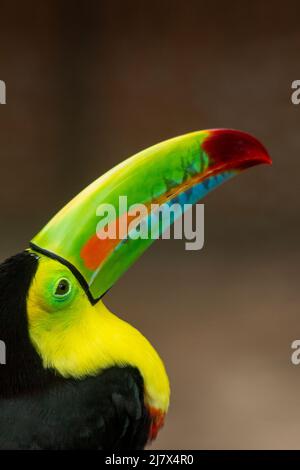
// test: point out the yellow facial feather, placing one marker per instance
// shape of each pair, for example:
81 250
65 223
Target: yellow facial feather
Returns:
78 339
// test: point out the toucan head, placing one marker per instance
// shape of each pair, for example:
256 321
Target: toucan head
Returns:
69 327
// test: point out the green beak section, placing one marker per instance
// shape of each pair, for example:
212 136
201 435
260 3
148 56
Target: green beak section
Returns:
85 234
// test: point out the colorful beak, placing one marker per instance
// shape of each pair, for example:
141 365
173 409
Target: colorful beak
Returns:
181 170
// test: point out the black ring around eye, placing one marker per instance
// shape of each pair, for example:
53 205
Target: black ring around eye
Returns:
63 288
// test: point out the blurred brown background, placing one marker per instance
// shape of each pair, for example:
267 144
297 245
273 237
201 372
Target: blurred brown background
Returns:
90 83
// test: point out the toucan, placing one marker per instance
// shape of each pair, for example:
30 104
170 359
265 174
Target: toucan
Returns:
76 376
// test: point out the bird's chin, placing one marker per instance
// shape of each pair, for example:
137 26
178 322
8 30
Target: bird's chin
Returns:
157 418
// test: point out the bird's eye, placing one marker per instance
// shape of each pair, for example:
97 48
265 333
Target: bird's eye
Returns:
62 288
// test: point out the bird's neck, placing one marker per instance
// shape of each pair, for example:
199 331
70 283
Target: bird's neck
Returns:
99 340
22 371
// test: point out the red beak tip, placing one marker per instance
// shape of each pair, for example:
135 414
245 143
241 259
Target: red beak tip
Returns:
268 160
230 145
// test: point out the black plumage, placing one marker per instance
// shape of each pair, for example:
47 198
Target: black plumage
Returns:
40 409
